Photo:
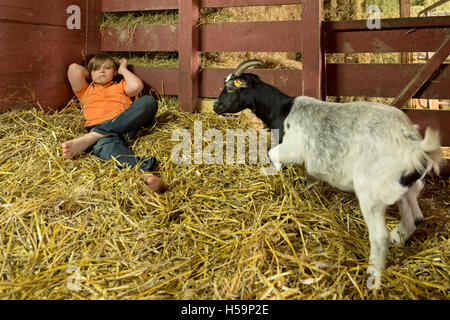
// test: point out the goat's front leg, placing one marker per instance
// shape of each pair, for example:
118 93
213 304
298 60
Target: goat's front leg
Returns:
285 153
374 216
274 156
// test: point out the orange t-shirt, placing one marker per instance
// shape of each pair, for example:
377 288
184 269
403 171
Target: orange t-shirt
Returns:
102 103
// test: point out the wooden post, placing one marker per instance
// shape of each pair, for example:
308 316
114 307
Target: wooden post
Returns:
405 8
93 21
405 12
188 39
313 54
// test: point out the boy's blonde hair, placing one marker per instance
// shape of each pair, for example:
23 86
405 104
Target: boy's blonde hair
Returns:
97 61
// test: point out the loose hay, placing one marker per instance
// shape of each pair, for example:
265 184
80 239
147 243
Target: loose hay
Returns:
82 229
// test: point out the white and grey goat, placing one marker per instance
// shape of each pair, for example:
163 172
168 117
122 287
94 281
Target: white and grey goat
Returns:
367 148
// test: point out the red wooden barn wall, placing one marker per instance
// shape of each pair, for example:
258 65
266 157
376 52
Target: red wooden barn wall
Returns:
36 47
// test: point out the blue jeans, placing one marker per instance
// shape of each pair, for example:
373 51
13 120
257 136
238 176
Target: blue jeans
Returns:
126 127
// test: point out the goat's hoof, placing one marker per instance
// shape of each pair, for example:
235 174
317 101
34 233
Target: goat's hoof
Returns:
418 221
374 270
274 158
374 281
397 237
276 165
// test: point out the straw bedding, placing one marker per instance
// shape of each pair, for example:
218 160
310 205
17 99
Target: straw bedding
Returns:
82 229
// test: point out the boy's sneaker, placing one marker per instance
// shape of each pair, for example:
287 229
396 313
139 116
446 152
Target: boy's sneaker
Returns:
148 164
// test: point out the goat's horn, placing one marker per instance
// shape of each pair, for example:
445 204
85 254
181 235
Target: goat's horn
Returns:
245 65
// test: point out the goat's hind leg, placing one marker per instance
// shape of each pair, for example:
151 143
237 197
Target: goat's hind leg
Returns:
411 215
413 195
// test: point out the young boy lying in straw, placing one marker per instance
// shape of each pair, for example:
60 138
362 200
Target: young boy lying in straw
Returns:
110 115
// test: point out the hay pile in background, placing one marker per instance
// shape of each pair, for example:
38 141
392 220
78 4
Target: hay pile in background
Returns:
82 229
335 10
129 21
276 60
343 10
271 60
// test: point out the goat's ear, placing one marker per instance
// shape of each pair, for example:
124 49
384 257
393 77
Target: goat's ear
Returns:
229 85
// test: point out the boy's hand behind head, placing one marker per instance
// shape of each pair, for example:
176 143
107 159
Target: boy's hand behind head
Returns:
122 66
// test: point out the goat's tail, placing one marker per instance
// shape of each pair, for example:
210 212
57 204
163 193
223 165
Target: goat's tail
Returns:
431 145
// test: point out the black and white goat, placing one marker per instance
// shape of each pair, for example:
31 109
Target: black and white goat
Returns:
367 148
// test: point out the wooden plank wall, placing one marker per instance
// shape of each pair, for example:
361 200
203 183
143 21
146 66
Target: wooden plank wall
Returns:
36 49
388 80
282 36
376 80
311 36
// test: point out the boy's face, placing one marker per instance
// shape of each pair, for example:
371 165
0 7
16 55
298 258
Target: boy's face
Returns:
105 74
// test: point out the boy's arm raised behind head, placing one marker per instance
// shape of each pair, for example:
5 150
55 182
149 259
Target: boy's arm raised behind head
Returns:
134 84
77 75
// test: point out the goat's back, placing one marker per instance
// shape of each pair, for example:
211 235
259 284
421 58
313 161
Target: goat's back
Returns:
342 142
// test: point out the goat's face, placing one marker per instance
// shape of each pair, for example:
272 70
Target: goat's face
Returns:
229 100
235 95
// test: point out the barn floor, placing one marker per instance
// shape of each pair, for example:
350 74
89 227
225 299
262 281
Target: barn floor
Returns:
82 229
